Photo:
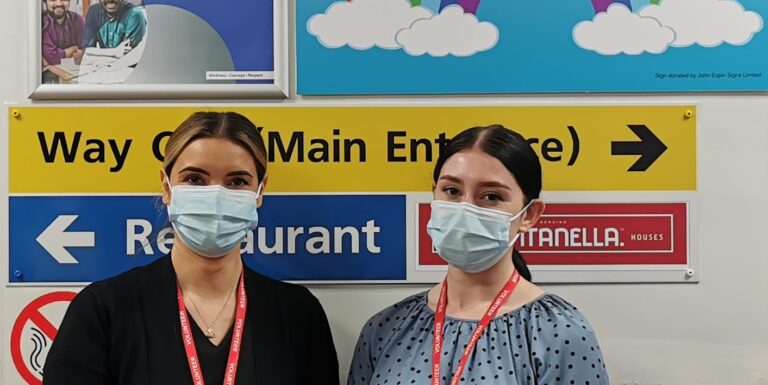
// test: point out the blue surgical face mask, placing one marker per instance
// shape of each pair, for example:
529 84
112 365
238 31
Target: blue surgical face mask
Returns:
468 237
212 220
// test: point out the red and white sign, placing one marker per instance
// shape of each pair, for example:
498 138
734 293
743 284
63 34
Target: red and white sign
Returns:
594 234
32 335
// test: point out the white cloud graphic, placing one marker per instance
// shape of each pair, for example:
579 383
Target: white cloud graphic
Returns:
452 32
618 30
363 24
708 23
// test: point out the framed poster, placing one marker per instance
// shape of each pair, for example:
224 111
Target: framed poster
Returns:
155 49
381 47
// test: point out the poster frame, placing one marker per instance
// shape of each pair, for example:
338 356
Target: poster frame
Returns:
279 89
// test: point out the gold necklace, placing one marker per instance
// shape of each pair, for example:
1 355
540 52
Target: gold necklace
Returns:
209 332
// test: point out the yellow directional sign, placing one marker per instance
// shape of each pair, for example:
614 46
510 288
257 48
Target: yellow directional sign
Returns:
356 149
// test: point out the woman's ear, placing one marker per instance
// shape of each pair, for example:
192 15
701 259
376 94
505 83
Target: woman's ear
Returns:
532 215
164 180
261 193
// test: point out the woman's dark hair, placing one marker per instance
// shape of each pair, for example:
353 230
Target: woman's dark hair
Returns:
513 151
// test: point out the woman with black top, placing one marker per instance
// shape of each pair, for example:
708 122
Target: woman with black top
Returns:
199 316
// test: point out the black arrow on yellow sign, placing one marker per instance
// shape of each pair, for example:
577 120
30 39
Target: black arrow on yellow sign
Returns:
650 147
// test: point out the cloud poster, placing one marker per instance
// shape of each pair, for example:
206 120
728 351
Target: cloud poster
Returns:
544 46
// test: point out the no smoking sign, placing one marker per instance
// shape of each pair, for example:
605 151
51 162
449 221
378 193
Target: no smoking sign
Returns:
34 331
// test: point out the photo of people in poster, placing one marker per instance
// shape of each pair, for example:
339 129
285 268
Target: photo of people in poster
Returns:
98 42
149 42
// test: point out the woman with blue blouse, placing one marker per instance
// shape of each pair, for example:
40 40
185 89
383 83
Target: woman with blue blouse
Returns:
486 323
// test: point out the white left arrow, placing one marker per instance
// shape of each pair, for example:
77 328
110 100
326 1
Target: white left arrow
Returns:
55 239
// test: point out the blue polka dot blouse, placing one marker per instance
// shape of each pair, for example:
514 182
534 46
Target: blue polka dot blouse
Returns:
546 342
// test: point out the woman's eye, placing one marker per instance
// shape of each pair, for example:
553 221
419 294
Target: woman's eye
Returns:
492 197
238 182
194 179
451 191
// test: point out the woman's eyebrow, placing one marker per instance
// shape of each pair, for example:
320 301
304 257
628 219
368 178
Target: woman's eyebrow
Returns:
195 169
240 173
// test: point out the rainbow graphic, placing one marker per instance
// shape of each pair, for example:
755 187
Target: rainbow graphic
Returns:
602 5
433 5
470 6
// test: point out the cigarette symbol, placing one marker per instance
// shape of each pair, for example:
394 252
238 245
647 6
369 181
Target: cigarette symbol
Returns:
40 342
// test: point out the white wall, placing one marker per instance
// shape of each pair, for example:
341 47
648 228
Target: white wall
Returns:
711 333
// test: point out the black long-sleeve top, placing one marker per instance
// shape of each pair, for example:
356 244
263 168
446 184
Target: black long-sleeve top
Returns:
126 330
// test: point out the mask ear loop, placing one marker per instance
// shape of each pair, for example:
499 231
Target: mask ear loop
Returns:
168 206
517 235
258 192
512 242
524 209
510 245
168 209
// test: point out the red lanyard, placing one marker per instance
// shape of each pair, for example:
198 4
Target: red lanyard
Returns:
437 345
237 338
